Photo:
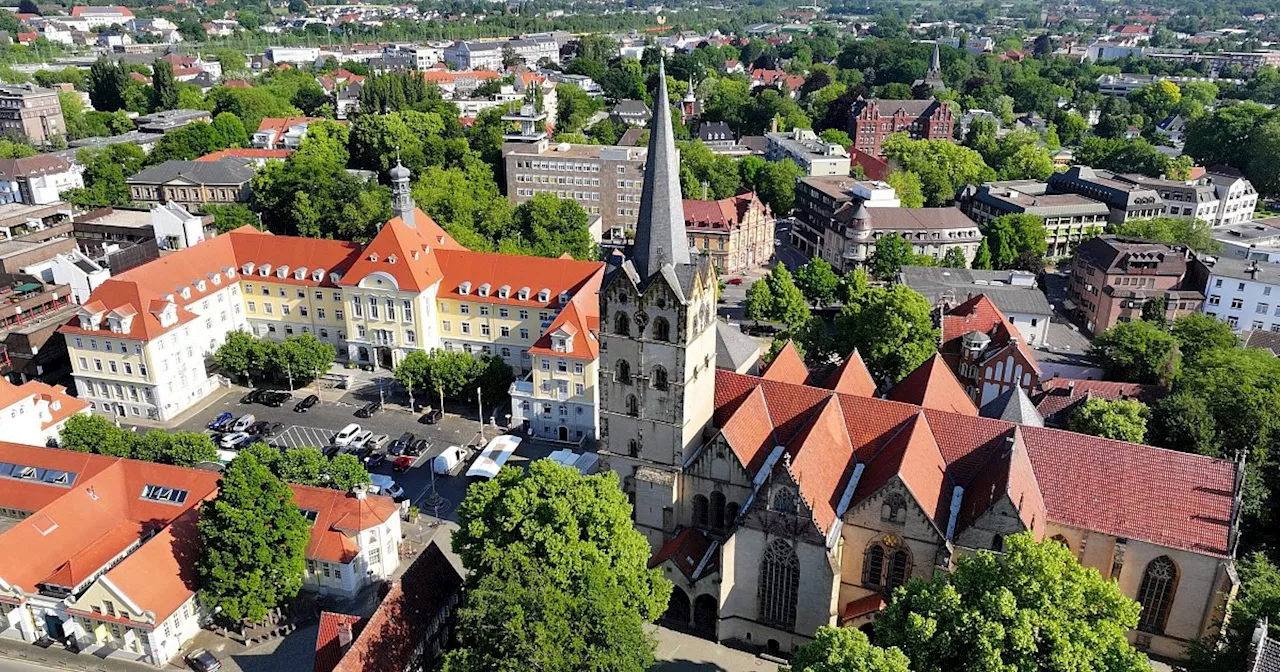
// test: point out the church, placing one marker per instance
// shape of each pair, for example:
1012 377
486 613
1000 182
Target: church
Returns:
795 499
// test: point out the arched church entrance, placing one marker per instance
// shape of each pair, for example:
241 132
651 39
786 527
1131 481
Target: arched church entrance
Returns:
677 609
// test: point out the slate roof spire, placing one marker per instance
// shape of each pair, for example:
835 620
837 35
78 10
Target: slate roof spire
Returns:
935 61
660 234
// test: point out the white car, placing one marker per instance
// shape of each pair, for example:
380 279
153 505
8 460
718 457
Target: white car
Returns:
359 440
345 436
446 462
243 423
233 440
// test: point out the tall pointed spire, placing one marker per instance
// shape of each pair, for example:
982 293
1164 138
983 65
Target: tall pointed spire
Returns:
660 234
935 62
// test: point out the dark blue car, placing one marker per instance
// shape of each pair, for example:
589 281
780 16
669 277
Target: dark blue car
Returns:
225 418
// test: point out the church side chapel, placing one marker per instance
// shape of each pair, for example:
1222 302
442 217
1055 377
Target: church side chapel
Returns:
794 499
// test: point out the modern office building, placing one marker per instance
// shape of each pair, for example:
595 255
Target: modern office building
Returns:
817 201
1069 219
814 156
1220 199
1244 294
1124 200
31 113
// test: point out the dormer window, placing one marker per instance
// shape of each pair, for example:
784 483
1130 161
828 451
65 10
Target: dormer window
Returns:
524 294
564 298
317 275
216 279
201 286
300 273
544 295
88 322
504 291
484 290
282 272
264 270
168 298
465 288
391 259
335 277
373 256
247 268
185 292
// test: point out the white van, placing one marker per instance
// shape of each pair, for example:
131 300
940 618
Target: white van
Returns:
446 462
243 423
344 437
381 484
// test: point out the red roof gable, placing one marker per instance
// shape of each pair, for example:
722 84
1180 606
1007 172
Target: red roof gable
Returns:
787 366
852 377
329 649
933 385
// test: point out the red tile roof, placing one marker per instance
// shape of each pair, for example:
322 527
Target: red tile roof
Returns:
340 516
980 314
820 459
101 10
1059 397
852 377
329 650
247 153
723 215
686 551
933 385
408 254
1178 500
516 272
580 318
787 366
863 606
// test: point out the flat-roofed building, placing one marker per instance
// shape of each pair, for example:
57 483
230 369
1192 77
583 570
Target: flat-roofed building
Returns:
1113 277
1124 200
605 180
814 156
1068 218
31 113
818 199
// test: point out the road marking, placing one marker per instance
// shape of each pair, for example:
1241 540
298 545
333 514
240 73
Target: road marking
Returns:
297 436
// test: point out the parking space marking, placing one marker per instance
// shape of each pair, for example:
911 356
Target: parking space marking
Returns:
297 436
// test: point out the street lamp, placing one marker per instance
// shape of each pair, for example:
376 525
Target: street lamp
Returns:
480 408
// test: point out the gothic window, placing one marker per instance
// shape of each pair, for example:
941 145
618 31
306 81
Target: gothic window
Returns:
622 372
873 565
659 378
731 513
661 329
699 511
784 500
779 584
621 324
633 406
894 508
717 510
899 569
1159 583
633 448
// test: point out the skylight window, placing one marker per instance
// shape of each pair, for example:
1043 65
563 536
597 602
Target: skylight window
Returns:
310 515
22 472
159 493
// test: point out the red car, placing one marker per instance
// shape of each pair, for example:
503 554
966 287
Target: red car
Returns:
733 281
402 463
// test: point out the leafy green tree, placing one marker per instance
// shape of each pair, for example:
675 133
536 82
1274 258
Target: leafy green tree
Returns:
250 105
164 88
10 149
891 254
548 226
891 328
466 202
239 354
538 570
302 358
1136 351
759 302
1182 421
1122 155
231 216
1194 233
185 449
453 371
1198 333
1264 153
846 650
1009 236
788 304
982 258
184 144
345 472
304 465
954 258
1225 136
94 434
105 173
494 380
818 282
774 182
1033 603
1119 419
253 543
907 187
573 108
943 166
699 166
107 83
1157 99
230 130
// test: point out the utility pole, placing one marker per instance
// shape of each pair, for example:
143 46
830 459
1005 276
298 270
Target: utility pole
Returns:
480 408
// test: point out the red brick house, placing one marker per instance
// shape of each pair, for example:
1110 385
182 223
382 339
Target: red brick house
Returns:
871 121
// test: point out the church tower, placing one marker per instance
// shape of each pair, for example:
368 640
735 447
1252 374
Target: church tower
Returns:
657 342
933 77
402 204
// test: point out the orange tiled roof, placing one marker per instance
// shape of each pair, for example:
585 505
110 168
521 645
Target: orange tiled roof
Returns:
1178 500
408 254
581 317
852 377
724 215
516 272
686 551
979 313
787 366
247 153
339 516
933 385
821 460
328 649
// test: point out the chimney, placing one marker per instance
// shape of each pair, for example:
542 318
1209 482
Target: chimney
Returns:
1253 269
360 491
345 636
773 125
1071 388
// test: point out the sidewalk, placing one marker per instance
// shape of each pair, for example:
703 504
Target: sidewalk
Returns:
197 409
57 658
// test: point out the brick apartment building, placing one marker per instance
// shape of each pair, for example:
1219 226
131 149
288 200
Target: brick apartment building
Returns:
1113 277
871 121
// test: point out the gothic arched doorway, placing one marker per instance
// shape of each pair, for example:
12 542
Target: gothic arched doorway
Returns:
705 614
677 608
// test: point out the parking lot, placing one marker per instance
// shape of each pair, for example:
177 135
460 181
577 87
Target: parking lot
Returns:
317 426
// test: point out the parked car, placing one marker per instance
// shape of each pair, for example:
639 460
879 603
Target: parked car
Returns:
203 661
381 484
253 397
243 422
418 447
733 281
402 463
431 417
331 450
234 440
359 440
306 404
264 428
398 446
221 421
373 459
378 442
447 461
346 434
275 398
369 410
